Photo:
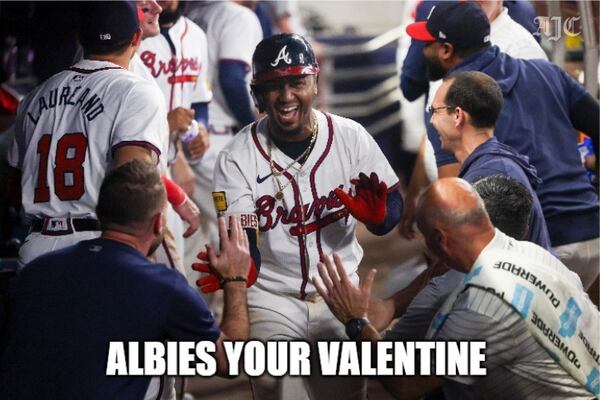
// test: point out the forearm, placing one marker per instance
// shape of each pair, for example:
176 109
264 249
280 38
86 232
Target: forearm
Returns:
448 170
418 178
404 297
201 112
133 152
235 89
394 206
381 313
235 324
175 194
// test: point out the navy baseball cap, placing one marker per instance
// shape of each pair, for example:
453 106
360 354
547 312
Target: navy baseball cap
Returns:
105 23
462 24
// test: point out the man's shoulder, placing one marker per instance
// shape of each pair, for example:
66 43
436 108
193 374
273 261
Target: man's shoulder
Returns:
191 27
240 13
488 164
476 300
245 138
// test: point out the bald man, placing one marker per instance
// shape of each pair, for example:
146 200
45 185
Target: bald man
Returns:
510 298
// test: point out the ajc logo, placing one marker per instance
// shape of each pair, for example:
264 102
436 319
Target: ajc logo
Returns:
551 27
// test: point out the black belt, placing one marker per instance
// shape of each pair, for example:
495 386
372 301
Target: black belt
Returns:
64 226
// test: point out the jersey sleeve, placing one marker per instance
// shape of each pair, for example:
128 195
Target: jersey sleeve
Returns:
371 159
19 141
573 89
15 153
231 181
413 325
141 119
189 318
480 315
239 39
202 92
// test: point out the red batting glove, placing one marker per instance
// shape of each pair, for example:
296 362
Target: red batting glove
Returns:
211 282
369 203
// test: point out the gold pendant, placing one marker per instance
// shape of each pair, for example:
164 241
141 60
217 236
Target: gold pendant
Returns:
279 195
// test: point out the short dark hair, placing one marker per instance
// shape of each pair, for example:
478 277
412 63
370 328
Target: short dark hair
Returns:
508 203
476 93
129 196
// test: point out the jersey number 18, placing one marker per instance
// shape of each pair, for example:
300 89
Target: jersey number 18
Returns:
70 155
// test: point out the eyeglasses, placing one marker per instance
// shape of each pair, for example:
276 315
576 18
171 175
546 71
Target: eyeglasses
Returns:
432 110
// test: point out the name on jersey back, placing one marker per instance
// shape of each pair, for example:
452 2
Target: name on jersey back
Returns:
90 104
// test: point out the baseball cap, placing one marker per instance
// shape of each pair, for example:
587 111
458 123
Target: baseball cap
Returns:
462 24
105 23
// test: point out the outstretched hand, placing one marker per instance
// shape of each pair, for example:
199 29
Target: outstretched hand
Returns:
369 203
232 261
345 300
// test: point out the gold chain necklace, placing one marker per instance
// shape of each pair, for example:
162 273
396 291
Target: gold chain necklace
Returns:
276 174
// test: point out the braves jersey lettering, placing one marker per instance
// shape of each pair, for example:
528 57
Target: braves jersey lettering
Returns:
91 107
270 212
176 60
178 69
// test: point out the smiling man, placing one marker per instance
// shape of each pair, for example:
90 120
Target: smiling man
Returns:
305 178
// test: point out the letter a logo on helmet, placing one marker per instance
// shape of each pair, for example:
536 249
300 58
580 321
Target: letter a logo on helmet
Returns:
286 54
283 55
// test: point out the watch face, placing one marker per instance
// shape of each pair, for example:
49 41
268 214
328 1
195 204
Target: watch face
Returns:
354 327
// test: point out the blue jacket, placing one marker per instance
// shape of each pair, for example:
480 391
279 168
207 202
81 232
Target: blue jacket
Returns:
495 158
535 121
69 304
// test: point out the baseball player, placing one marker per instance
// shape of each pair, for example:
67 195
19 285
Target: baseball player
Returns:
303 179
177 60
167 253
73 127
233 31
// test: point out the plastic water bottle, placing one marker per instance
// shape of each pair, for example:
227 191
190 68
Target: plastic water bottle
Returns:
187 137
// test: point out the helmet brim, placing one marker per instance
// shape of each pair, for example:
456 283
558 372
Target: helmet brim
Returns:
274 74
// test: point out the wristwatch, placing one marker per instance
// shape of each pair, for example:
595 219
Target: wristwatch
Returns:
354 326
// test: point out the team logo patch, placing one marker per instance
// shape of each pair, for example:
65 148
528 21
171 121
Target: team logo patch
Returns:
57 226
283 55
220 201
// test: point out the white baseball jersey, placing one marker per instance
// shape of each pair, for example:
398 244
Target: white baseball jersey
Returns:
233 31
68 129
309 220
178 62
137 67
